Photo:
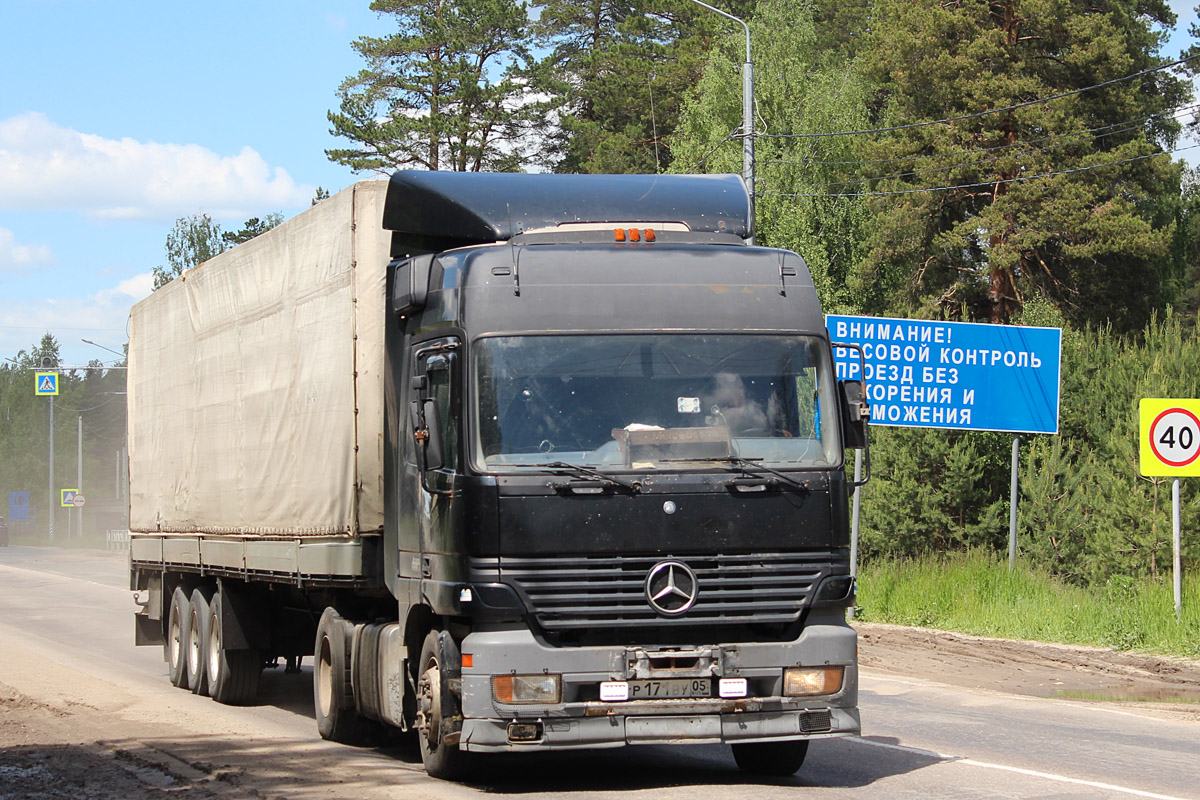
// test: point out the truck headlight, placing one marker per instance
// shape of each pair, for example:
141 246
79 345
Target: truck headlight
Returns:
527 688
808 681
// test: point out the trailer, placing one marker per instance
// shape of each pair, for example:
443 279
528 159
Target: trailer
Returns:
523 462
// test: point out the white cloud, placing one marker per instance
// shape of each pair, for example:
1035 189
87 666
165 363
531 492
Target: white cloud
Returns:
44 166
127 292
20 257
102 316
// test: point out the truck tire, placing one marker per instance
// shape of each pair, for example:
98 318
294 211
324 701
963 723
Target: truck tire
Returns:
175 647
771 758
232 674
441 759
197 639
338 719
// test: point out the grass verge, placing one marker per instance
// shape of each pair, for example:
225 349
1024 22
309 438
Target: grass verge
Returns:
975 593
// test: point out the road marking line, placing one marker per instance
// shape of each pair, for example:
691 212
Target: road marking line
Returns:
46 574
1079 703
1018 770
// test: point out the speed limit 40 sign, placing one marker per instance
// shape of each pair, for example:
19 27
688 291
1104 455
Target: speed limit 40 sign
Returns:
1169 443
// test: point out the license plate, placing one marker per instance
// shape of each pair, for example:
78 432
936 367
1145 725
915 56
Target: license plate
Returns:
670 687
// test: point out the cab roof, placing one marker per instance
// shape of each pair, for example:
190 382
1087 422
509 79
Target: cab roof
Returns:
435 211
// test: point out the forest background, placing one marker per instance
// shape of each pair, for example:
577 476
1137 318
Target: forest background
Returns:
1007 161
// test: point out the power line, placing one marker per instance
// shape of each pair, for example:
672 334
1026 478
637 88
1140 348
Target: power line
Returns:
729 137
1128 125
978 114
978 185
956 165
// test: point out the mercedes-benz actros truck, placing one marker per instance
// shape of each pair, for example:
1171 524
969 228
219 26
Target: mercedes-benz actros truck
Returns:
522 462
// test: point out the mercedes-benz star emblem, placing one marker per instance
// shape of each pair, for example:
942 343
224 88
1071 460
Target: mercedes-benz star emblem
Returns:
671 588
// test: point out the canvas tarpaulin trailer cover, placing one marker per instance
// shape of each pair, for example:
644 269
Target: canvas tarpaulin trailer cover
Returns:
256 382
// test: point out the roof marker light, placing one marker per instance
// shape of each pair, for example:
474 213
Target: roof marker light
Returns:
619 234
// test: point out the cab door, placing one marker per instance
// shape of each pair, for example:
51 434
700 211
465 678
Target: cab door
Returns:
435 426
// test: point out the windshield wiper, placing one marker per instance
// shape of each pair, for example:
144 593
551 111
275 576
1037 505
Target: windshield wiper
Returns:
748 465
588 472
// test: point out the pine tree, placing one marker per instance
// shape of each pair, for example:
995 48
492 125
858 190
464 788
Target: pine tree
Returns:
620 70
1091 237
449 90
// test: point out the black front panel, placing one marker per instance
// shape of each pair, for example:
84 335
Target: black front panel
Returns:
779 520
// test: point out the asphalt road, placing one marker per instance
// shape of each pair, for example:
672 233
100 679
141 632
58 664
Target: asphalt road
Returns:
67 614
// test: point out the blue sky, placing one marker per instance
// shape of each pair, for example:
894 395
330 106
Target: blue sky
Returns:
116 118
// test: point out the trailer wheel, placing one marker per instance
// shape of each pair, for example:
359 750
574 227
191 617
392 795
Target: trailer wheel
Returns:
175 647
333 696
441 759
771 758
197 639
232 674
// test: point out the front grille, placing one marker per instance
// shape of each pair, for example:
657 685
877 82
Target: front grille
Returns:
816 722
567 593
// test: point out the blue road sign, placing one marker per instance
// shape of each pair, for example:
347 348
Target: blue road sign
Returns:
961 375
68 497
18 506
45 383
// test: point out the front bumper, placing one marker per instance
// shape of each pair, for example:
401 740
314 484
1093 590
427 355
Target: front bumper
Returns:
581 720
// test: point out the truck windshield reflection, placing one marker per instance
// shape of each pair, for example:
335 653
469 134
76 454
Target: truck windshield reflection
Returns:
653 401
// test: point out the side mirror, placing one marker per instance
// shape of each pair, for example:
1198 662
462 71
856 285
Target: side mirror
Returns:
427 433
410 284
856 414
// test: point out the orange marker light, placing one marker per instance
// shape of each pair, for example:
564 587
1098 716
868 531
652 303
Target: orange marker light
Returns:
468 660
649 234
635 235
619 234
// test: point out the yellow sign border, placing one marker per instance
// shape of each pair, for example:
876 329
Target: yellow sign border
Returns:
37 384
1150 464
62 497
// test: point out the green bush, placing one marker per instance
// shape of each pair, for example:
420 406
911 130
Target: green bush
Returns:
1086 515
974 592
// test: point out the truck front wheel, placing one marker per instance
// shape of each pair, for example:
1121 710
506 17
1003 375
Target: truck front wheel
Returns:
771 758
442 759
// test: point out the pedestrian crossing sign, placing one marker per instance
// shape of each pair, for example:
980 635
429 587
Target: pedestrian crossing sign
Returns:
46 383
68 497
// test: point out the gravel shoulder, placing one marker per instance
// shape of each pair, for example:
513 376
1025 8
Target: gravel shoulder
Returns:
1153 684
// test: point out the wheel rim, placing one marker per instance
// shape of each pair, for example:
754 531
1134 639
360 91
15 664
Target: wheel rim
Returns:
174 642
429 704
193 654
214 652
325 679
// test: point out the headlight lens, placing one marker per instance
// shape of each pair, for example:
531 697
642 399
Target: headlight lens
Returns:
527 688
808 681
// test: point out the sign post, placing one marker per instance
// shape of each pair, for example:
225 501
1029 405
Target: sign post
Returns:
1169 446
954 375
46 385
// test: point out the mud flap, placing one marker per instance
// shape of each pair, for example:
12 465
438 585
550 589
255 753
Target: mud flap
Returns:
450 660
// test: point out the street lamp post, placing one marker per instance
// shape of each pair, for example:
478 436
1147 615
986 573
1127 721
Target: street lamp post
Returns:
747 113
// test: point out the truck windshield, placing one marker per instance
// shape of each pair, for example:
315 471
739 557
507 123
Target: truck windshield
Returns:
653 401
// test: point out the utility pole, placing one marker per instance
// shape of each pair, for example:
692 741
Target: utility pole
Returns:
747 134
79 482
